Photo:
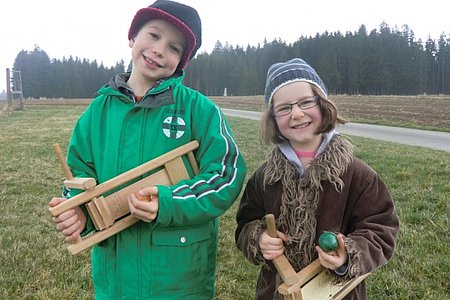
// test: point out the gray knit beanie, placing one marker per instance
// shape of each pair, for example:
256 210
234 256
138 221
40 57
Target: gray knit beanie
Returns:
283 73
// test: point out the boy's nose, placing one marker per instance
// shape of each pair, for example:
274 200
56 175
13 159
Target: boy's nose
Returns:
157 50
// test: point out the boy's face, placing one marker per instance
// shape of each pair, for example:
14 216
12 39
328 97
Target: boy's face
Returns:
157 50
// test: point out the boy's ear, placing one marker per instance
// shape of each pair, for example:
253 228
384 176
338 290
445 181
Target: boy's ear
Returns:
131 43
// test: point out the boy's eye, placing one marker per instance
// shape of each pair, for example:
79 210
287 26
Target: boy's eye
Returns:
153 35
175 49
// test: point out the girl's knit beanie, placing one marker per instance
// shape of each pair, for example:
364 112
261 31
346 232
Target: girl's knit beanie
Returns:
283 73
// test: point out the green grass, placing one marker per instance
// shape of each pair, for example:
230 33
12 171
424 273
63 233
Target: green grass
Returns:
35 264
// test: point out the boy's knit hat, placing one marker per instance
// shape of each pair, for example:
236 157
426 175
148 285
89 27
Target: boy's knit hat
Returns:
183 17
283 73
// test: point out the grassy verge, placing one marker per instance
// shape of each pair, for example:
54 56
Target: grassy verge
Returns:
34 262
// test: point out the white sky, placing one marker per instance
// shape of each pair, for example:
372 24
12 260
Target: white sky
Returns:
97 29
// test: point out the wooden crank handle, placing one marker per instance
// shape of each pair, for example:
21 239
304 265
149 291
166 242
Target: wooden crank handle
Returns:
66 170
271 227
62 161
281 263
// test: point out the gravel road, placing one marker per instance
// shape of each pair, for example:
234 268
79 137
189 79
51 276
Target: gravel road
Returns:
430 139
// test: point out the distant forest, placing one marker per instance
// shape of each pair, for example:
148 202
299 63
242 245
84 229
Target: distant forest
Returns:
382 62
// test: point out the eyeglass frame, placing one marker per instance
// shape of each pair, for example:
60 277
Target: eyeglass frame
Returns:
315 102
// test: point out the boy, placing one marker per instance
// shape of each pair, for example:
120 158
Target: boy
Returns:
139 116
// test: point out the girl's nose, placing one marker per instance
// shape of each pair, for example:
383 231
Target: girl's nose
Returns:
296 112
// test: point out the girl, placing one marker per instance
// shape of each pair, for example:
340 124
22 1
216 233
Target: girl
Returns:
312 183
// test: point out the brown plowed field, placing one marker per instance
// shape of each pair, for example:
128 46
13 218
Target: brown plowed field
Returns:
432 111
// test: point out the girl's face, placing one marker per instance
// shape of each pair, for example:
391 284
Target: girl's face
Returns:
157 50
299 126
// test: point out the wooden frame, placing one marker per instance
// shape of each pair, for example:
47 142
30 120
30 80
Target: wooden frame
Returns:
314 282
110 214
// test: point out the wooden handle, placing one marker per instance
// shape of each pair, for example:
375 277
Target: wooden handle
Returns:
66 170
271 227
281 263
62 161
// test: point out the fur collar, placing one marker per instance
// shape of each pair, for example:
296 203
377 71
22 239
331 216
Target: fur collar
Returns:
301 193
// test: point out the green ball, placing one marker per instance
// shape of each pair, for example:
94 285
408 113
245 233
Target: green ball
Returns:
328 241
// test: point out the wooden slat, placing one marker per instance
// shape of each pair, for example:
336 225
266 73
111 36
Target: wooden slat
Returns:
348 287
62 161
104 211
80 183
99 236
281 263
117 202
193 162
176 170
95 216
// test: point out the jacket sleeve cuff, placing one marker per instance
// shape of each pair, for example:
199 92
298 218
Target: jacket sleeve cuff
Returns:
164 206
342 270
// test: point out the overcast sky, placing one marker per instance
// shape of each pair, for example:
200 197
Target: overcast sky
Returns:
97 29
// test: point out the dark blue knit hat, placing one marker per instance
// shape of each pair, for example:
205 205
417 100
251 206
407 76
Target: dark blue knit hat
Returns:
183 17
283 73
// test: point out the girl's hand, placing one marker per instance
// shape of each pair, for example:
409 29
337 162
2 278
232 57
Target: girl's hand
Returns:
71 223
271 247
333 259
144 204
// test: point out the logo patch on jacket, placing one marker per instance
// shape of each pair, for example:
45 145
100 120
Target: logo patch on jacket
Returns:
173 127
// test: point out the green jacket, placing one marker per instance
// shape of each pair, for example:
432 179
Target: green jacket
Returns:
173 257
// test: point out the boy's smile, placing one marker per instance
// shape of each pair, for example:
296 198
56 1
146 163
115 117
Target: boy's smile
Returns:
151 62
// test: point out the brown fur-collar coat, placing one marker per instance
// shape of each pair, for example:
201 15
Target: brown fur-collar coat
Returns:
338 193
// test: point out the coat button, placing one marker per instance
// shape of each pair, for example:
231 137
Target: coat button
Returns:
183 239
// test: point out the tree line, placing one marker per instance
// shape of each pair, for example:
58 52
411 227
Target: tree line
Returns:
387 61
67 78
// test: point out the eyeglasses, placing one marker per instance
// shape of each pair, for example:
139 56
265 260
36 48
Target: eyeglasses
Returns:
303 104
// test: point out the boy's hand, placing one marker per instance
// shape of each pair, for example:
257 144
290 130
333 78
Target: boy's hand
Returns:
71 223
144 204
333 259
271 247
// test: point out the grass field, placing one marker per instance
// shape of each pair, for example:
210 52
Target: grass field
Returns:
35 264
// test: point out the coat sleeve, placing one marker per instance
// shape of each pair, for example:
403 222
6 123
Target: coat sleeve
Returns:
250 221
221 175
374 225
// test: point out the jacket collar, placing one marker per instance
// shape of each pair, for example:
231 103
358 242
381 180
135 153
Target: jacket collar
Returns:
160 94
287 150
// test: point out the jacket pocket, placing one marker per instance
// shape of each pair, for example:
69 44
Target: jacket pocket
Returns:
183 261
181 236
